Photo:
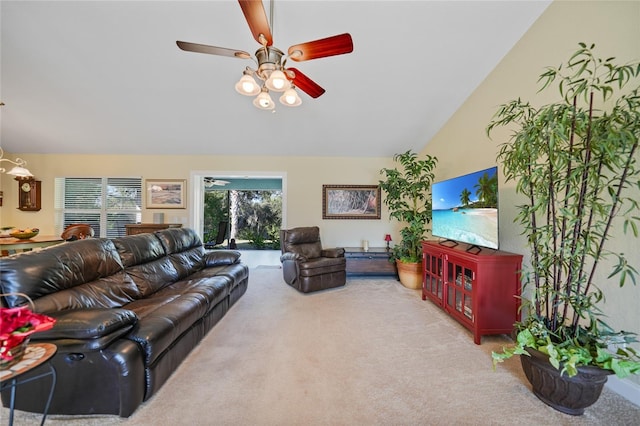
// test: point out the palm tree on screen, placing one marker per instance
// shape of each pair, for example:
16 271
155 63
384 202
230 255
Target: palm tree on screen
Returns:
464 197
487 189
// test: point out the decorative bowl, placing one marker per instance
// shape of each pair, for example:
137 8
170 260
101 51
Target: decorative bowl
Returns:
25 234
14 354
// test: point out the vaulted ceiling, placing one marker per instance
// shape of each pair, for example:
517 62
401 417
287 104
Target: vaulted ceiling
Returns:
106 77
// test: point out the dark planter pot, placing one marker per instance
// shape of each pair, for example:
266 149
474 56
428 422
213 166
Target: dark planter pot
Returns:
569 395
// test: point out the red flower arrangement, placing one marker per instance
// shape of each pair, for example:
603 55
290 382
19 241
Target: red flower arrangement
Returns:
16 325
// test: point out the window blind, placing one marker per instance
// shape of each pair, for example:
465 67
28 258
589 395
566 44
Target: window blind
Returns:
105 203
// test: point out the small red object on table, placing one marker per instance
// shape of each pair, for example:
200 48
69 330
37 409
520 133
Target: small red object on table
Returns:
16 326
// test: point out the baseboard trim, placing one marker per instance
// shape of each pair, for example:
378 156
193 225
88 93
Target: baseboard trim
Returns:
625 388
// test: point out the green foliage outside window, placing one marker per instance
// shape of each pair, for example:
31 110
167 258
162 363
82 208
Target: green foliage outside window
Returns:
255 216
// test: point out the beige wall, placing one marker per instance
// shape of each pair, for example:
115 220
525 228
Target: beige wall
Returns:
305 177
463 146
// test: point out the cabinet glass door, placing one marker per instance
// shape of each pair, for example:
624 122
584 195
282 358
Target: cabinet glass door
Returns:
460 282
433 275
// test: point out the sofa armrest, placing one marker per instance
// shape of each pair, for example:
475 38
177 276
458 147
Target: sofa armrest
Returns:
333 252
87 323
221 258
290 256
291 266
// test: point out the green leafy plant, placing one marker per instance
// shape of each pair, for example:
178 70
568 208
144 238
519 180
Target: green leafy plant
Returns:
575 161
273 233
257 240
407 191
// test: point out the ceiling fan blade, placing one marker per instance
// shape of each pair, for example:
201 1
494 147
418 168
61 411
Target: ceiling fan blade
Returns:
209 182
212 50
330 46
257 19
305 84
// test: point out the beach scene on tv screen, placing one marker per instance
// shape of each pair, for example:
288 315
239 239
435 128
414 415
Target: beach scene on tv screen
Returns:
465 208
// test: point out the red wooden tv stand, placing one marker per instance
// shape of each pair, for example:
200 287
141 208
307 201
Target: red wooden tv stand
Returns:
480 289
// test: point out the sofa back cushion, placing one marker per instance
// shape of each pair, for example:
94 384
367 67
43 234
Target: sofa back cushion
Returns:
79 274
184 248
145 261
304 241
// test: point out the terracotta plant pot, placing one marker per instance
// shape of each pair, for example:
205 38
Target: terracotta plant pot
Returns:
569 395
410 274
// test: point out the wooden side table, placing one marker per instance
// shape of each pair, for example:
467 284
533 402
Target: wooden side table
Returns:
35 355
10 245
148 228
374 261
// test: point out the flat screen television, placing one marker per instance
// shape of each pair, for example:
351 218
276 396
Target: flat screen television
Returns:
465 208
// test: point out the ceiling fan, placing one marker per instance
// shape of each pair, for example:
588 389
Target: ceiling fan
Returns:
209 182
271 71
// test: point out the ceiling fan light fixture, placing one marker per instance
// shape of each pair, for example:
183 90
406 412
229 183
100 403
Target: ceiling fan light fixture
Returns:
263 100
290 98
18 168
277 81
211 182
19 172
247 86
271 74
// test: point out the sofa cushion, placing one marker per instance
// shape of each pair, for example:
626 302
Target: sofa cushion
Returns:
153 276
138 249
87 323
213 287
79 347
322 265
236 272
184 249
113 291
145 261
164 317
83 273
304 241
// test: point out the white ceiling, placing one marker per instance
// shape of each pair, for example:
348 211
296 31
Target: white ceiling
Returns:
106 77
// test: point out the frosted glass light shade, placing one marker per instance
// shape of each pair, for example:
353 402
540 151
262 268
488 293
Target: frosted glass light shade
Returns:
277 81
247 86
20 172
264 101
290 98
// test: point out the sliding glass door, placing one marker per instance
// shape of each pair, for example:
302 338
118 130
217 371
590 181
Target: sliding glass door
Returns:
243 214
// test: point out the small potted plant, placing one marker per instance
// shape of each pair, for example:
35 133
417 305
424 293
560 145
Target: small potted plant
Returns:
576 163
407 195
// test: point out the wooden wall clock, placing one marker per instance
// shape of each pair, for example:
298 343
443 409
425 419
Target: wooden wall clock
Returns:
29 194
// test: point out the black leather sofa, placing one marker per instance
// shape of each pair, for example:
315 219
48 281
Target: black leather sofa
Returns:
128 312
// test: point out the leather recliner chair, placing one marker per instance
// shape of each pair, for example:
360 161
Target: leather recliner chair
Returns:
308 267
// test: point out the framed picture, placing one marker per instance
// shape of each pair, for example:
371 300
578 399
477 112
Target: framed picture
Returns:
350 202
166 193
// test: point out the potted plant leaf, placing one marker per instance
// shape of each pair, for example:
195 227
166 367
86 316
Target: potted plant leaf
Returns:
576 163
407 191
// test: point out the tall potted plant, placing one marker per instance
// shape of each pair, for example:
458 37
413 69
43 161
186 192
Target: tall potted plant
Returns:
407 191
576 162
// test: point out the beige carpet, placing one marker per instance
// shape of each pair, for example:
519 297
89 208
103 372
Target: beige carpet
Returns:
370 353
